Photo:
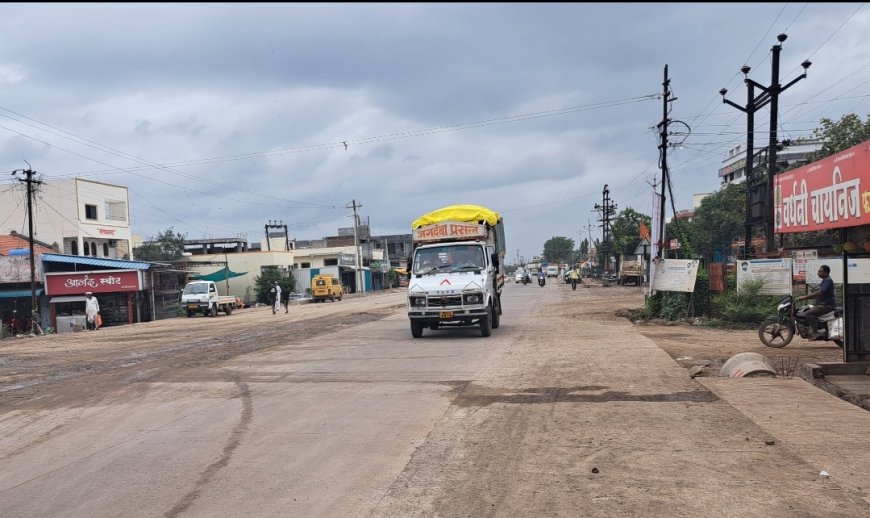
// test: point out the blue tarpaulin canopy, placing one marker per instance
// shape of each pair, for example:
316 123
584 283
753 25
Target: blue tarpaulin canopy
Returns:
220 275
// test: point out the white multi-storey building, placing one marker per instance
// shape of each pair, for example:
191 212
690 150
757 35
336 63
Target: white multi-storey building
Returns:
794 152
82 217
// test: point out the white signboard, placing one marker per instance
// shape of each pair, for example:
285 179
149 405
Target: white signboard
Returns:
834 263
776 274
859 270
15 268
675 275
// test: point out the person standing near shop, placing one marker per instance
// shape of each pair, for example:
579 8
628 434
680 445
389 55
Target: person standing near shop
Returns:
92 311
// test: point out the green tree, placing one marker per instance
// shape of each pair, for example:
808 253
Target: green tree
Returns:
718 220
626 230
558 249
166 246
269 276
836 136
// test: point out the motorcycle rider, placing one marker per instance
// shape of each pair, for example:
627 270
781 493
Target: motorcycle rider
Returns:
542 277
826 300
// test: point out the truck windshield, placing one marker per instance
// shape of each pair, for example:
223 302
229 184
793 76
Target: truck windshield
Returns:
448 258
196 288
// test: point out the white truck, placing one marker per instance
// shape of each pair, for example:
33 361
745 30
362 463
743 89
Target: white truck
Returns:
202 297
454 270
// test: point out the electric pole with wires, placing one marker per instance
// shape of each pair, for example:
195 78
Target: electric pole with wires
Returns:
28 179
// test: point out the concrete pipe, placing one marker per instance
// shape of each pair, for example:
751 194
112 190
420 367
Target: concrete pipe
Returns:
746 365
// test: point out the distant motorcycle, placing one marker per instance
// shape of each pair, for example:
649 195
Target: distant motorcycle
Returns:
778 331
542 280
526 278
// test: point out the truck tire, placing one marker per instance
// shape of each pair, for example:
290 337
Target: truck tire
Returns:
486 323
189 313
496 315
416 329
212 311
228 310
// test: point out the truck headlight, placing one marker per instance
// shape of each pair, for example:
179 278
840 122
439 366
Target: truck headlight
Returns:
473 298
418 302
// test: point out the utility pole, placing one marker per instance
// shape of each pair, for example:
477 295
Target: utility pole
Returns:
278 225
663 156
359 282
28 179
607 210
759 191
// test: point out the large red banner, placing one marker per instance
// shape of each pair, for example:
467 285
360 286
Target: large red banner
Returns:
826 194
96 282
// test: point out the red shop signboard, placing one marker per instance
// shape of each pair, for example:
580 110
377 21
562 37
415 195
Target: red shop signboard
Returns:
96 282
830 193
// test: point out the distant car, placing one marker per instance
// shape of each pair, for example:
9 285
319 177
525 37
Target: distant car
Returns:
518 277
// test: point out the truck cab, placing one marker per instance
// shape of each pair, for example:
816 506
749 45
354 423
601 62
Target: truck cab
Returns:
202 297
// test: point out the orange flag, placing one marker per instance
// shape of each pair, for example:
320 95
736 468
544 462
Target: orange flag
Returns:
644 232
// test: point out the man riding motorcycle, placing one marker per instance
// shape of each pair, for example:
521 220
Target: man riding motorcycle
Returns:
826 300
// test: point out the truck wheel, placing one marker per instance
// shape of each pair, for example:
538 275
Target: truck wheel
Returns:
496 315
332 297
212 311
416 329
189 313
228 310
486 323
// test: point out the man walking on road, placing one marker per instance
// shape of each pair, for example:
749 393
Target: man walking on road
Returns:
92 311
275 296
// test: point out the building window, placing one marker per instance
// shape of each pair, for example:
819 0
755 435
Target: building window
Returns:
306 265
105 249
330 262
90 211
94 249
116 210
74 248
85 248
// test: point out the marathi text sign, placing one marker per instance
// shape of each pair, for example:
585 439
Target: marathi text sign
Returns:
799 265
96 282
826 194
776 274
675 275
449 230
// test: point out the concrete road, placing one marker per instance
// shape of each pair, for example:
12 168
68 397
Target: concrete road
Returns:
564 411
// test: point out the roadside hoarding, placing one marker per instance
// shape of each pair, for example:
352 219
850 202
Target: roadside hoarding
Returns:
859 270
675 275
799 265
776 273
829 193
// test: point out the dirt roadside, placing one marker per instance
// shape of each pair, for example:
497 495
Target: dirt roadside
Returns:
70 368
709 348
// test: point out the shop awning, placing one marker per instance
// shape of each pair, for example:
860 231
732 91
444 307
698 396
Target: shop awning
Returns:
68 298
15 294
104 262
220 275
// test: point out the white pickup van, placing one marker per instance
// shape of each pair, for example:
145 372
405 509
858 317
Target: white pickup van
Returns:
202 297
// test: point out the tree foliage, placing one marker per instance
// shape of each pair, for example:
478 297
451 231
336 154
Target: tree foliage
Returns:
718 220
559 249
263 282
626 230
836 136
166 246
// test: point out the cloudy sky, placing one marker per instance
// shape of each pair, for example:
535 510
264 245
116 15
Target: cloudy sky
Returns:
223 117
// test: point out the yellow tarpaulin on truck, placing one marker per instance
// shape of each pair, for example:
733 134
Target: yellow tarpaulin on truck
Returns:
466 213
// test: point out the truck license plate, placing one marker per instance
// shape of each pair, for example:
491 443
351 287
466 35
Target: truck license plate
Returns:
193 306
445 314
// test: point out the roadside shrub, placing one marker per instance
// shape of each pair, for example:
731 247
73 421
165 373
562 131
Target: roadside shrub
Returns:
4 332
748 305
675 305
699 302
652 307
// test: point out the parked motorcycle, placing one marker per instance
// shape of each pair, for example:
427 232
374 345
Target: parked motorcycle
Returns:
778 331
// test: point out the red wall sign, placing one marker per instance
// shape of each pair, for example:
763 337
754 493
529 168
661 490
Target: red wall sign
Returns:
96 282
830 193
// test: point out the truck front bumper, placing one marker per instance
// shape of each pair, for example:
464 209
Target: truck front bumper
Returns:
458 316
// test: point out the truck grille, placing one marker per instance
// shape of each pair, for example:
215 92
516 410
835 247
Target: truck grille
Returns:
451 300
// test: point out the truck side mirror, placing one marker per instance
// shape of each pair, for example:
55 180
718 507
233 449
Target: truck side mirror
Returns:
495 261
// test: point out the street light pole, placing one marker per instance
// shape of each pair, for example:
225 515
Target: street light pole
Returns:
769 94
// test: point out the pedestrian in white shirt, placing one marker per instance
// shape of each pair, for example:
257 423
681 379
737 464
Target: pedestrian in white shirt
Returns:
92 310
